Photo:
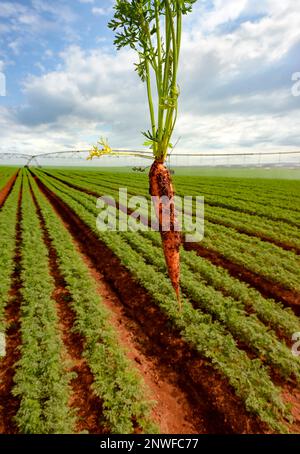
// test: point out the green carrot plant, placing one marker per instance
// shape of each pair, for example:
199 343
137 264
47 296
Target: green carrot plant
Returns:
8 223
42 380
124 395
268 260
153 29
271 312
249 378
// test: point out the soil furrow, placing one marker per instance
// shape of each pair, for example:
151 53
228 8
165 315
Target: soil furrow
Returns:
4 192
210 397
84 401
172 413
9 404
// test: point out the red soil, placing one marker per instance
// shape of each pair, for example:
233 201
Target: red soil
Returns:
158 346
172 413
291 395
4 192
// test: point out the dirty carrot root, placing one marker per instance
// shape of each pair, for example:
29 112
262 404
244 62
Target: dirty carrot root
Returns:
162 192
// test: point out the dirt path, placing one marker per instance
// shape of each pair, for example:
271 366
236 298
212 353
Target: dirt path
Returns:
9 404
84 401
172 413
158 350
4 192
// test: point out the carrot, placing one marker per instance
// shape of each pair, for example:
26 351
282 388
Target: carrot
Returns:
161 188
153 28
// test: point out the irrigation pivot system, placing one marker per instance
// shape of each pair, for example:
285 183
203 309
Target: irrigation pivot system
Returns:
257 159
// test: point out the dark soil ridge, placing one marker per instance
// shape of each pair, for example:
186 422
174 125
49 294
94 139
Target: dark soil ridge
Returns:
86 404
267 288
204 385
9 404
4 192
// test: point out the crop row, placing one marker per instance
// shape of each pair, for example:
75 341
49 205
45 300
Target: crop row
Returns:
248 377
270 261
276 231
269 311
284 211
265 192
215 188
5 176
260 257
116 382
8 221
251 194
41 378
230 311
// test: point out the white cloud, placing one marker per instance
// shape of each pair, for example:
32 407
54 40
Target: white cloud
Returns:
99 11
28 21
103 11
11 9
48 53
235 87
15 46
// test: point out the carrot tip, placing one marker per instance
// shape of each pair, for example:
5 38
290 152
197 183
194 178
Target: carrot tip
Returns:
179 300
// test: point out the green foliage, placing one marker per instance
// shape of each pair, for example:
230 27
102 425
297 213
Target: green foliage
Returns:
116 381
271 312
211 334
41 378
263 258
153 29
8 221
229 311
5 175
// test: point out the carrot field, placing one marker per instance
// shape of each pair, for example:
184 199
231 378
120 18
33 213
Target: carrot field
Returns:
95 342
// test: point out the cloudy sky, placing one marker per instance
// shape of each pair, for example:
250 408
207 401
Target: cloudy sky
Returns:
67 86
